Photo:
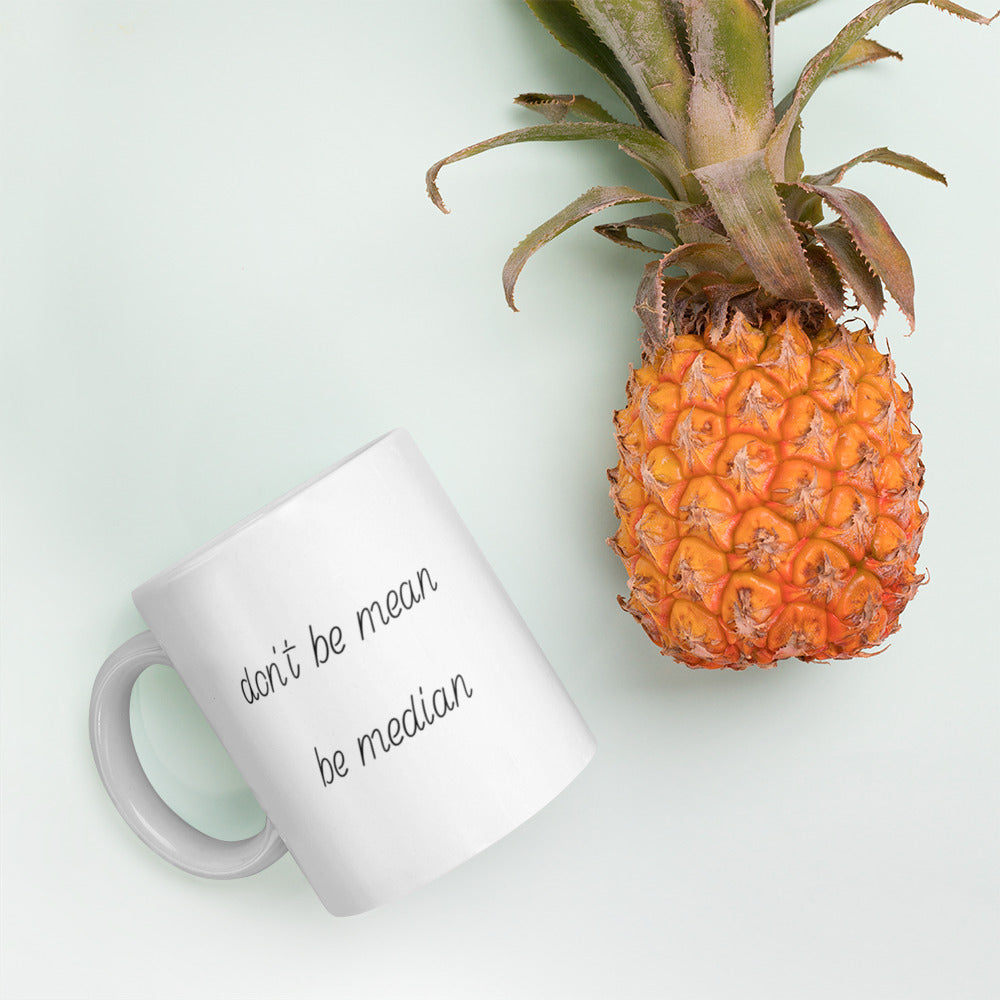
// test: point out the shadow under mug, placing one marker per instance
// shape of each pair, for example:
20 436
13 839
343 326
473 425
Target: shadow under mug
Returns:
372 681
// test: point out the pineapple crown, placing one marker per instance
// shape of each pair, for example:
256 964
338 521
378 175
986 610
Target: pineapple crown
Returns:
746 224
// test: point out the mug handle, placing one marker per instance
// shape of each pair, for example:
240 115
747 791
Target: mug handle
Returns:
153 821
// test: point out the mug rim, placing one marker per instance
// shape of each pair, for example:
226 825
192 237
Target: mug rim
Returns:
209 548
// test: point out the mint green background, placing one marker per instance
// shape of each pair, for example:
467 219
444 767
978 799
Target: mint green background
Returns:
220 273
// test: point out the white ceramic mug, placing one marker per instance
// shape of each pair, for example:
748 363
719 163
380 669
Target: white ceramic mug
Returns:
367 673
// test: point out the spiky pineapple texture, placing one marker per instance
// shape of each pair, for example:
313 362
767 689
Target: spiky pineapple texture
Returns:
768 492
769 475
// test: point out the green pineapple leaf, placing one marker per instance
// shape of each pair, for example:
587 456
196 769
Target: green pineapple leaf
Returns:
700 224
861 53
698 258
594 200
853 268
644 39
569 27
829 59
660 224
794 163
880 155
560 107
730 109
744 197
826 278
877 243
786 8
651 304
652 151
715 275
801 206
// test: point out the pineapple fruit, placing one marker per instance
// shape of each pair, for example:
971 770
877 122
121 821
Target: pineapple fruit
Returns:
769 474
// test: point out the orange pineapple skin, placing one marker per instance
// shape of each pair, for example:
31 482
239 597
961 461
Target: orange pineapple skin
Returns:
768 493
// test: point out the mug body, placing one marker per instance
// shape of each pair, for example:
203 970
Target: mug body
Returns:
369 676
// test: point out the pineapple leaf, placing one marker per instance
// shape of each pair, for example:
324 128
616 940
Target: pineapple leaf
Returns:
559 107
794 164
786 8
594 200
880 155
694 258
645 41
853 268
660 224
700 224
730 110
826 278
702 215
569 27
801 206
673 10
745 199
651 304
861 53
829 59
706 289
877 243
652 151
722 297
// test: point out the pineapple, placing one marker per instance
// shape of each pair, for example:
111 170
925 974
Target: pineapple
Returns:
769 473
